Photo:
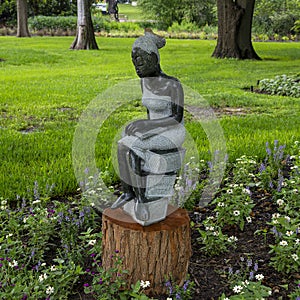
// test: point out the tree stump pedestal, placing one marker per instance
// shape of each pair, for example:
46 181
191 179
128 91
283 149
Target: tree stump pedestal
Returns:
155 253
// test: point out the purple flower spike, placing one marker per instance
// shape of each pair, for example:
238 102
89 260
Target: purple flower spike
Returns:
251 275
86 285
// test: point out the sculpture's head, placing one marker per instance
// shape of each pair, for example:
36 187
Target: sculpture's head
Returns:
145 56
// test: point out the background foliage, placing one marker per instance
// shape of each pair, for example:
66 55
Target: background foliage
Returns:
271 17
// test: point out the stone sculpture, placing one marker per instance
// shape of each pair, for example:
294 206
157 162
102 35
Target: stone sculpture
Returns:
150 153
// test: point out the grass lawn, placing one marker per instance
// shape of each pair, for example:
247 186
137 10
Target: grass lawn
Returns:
132 13
45 87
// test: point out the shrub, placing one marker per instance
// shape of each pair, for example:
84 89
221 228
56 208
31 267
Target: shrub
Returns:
282 85
52 23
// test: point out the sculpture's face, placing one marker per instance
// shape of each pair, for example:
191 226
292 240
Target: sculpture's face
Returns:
146 65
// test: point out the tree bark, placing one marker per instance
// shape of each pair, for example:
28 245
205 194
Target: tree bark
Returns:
156 253
234 29
85 36
113 10
22 19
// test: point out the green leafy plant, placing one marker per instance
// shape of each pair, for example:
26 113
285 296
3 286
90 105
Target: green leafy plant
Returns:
296 293
183 292
246 282
270 171
213 240
282 85
234 206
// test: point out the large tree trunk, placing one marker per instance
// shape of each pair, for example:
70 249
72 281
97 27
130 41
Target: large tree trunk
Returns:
85 36
22 18
234 29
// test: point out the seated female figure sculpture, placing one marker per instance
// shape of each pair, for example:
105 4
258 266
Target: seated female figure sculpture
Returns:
150 154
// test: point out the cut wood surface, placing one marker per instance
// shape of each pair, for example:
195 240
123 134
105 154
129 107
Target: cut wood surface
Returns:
156 253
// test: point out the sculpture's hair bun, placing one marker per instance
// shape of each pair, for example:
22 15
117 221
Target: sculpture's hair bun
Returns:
150 42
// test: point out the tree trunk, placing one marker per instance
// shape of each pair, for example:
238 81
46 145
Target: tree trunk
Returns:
234 29
85 36
156 253
113 10
22 19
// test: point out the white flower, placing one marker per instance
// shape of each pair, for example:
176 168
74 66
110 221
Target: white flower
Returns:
259 277
237 289
43 264
209 228
270 293
289 233
249 219
50 290
280 202
297 241
230 191
13 264
236 213
36 201
169 298
53 268
221 204
145 284
4 202
283 243
92 204
8 235
43 277
216 233
92 242
232 239
245 283
287 218
275 216
295 257
247 191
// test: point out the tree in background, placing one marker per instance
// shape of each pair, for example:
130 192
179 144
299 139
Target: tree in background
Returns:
113 9
8 12
167 12
276 16
234 29
8 9
85 36
22 19
52 7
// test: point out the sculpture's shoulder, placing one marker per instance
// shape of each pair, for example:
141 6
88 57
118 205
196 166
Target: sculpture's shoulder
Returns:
170 82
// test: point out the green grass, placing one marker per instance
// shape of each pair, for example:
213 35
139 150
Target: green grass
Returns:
132 13
45 87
